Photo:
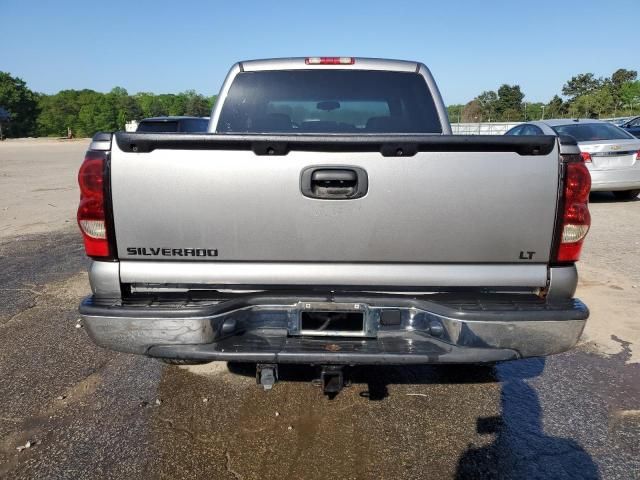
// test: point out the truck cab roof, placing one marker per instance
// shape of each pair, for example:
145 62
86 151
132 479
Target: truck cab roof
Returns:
354 63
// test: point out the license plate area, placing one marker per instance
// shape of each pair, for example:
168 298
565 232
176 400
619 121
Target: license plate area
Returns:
328 319
317 322
611 162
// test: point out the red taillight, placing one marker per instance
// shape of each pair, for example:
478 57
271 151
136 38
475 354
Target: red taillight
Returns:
330 61
586 156
577 183
575 216
91 215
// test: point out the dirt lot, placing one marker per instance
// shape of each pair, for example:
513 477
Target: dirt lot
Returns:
38 189
90 413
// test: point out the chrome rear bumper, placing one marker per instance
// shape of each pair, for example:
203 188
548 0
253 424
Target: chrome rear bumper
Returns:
439 328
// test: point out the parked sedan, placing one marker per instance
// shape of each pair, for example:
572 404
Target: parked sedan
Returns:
632 126
609 152
619 121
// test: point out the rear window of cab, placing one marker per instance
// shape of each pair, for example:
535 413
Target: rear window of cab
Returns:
329 101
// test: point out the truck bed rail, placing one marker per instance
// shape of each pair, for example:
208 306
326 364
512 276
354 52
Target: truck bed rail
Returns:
387 145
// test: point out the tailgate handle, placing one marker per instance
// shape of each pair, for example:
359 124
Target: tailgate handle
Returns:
334 182
334 177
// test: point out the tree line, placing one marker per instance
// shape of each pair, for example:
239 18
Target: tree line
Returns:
25 113
86 112
583 96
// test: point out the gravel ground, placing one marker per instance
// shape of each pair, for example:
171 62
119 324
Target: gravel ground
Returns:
90 413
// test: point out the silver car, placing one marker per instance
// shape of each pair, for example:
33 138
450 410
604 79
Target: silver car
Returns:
611 154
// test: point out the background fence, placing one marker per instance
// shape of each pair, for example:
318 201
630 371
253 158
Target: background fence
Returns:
482 128
498 128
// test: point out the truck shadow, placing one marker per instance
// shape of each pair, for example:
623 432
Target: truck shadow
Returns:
520 448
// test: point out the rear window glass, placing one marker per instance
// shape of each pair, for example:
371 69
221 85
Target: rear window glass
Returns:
157 127
589 132
329 101
182 125
194 125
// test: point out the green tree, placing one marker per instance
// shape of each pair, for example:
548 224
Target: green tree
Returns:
581 84
623 76
630 96
150 105
595 104
587 96
555 108
22 105
96 112
106 118
172 104
454 112
127 108
488 101
84 111
509 100
534 110
511 115
196 104
622 81
57 113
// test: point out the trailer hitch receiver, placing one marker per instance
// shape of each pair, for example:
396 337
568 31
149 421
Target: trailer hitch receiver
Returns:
266 375
332 379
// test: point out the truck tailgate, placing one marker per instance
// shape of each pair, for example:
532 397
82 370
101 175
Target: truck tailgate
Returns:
444 200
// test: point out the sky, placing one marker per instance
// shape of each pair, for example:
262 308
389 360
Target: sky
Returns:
171 46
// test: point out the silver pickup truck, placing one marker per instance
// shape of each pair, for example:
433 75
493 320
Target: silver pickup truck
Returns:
329 217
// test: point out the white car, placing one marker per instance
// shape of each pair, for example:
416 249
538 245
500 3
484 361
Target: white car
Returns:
610 153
